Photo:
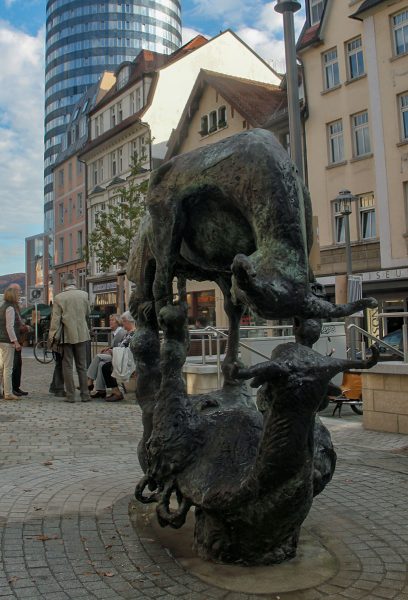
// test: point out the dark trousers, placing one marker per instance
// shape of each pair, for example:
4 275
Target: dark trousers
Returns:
110 381
57 383
77 353
17 365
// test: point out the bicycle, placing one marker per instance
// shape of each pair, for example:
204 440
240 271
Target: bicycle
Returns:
42 353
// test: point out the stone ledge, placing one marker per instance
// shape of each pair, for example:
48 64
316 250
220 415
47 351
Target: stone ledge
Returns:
389 368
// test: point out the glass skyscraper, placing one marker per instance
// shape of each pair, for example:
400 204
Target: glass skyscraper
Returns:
85 38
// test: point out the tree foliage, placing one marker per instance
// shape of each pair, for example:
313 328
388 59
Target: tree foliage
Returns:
111 239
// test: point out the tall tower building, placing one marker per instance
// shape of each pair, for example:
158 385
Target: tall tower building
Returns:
85 38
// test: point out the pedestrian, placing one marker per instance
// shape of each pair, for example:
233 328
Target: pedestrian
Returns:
96 381
129 326
21 329
8 341
69 328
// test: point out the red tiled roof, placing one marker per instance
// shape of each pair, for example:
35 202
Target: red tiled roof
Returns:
256 101
308 36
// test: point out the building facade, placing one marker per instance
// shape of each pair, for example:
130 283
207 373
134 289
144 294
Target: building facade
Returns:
138 115
355 58
69 230
83 39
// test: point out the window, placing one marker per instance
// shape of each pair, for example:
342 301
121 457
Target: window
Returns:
355 58
78 167
339 224
331 69
120 159
114 168
120 112
212 121
400 29
139 102
113 116
61 177
367 216
316 10
61 213
100 170
132 102
204 125
361 134
336 144
100 124
123 77
70 210
403 106
95 173
80 244
61 250
79 205
222 116
70 246
82 279
83 127
96 122
70 171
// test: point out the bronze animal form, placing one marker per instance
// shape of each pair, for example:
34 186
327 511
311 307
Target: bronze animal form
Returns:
234 212
251 474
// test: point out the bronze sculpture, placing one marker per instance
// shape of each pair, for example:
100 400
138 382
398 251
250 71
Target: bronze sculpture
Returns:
251 472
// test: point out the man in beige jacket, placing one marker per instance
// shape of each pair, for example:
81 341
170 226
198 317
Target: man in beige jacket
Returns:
71 310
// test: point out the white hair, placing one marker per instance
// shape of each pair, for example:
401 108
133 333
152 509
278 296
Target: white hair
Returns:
127 316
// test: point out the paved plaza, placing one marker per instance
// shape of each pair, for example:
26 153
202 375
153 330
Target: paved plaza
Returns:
68 472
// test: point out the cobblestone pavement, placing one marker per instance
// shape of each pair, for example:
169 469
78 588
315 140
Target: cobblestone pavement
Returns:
67 476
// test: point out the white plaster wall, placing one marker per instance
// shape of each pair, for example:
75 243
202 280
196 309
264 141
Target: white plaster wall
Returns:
224 54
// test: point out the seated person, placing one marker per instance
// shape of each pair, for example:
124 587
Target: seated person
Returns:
95 378
128 323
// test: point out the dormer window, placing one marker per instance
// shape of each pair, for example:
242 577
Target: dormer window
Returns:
316 10
123 77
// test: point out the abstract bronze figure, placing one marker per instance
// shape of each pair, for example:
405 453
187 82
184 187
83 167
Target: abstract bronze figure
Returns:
250 471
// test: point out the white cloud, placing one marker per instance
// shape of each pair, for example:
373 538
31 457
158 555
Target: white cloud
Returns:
21 139
188 34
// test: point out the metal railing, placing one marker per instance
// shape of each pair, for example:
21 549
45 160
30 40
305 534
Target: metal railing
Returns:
393 349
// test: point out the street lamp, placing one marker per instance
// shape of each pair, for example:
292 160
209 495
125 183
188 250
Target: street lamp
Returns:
344 200
287 8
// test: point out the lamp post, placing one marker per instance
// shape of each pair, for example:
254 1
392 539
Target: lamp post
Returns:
287 8
344 200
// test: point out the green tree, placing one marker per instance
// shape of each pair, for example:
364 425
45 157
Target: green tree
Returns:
111 240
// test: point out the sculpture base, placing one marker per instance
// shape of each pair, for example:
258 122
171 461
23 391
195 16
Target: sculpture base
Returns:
312 566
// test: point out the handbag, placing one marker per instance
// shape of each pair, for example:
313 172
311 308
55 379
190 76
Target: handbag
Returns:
123 363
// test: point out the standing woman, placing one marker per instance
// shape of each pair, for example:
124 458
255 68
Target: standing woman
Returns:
8 340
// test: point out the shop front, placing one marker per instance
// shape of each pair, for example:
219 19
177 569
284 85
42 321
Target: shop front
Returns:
390 288
104 300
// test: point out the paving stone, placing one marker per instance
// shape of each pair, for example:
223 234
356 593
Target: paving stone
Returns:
80 501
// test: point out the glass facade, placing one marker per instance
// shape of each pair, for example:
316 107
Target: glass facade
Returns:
85 38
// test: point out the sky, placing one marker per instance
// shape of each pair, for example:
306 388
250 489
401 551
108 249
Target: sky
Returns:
22 49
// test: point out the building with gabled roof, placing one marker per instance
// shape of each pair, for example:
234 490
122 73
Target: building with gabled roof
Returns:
140 111
222 105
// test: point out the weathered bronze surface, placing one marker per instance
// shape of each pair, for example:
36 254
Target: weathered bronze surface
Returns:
236 213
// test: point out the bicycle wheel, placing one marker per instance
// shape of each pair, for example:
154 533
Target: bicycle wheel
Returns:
357 408
42 352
